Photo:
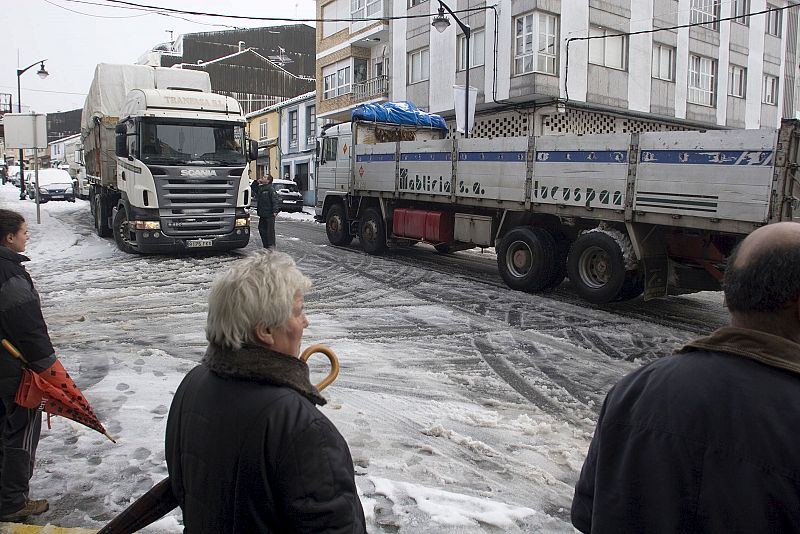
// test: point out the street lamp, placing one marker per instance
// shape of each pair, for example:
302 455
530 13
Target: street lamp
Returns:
441 23
42 74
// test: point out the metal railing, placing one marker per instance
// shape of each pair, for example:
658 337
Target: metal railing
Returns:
374 87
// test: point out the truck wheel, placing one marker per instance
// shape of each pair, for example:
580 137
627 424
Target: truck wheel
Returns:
101 216
444 248
633 286
526 258
122 233
596 267
372 232
336 226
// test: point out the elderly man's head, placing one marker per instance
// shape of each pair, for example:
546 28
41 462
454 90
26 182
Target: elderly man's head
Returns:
762 280
259 300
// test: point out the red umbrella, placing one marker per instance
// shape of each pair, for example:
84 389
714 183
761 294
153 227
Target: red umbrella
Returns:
54 392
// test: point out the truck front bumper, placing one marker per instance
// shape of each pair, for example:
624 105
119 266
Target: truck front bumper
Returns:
155 242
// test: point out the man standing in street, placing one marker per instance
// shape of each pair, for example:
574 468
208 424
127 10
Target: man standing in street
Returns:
705 440
269 205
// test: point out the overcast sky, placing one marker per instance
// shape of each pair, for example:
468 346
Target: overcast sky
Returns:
76 35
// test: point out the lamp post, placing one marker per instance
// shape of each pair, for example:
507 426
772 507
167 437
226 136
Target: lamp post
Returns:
42 74
441 23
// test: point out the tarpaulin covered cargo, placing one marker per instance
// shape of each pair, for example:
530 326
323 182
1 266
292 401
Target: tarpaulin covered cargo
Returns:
398 113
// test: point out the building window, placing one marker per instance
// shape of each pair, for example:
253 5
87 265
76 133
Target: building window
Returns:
418 65
774 21
293 128
663 62
336 80
412 3
541 29
311 123
380 67
702 80
476 47
740 9
369 8
737 81
608 48
770 90
263 130
705 11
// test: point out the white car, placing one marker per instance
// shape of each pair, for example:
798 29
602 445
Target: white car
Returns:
291 197
54 184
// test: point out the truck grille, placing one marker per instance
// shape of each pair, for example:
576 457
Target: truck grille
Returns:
198 206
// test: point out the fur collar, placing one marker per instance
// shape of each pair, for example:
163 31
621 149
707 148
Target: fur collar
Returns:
259 364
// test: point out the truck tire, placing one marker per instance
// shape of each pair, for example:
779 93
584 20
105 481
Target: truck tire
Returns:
372 232
336 226
101 216
633 286
122 234
596 267
526 258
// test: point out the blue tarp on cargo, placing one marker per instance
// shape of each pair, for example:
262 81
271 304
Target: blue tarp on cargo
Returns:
398 113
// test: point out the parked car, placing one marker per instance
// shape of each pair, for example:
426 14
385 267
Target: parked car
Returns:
291 197
54 184
13 174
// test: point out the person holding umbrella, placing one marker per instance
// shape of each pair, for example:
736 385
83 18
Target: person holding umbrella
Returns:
22 323
247 450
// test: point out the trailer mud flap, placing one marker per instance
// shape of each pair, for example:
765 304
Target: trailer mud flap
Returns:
656 272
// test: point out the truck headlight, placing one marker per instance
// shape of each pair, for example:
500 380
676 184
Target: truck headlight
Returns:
147 225
243 222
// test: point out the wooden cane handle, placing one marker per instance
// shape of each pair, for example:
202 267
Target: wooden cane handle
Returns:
313 349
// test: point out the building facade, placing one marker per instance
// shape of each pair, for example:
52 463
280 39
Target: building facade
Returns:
582 66
256 66
263 125
297 142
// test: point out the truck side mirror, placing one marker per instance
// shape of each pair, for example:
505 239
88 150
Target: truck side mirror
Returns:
122 140
253 150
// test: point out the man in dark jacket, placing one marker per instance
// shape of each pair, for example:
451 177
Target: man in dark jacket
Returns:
21 323
269 205
706 440
246 448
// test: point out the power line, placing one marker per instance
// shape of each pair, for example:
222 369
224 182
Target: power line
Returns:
279 19
43 90
146 12
96 16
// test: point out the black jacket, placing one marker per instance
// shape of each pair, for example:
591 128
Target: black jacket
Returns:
21 322
705 440
247 450
269 201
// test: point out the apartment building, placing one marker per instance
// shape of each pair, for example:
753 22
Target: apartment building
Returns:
352 57
286 134
588 66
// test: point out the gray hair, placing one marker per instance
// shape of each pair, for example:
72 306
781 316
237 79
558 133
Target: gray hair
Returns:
259 289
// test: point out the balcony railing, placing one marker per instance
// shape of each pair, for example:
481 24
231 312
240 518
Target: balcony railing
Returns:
372 88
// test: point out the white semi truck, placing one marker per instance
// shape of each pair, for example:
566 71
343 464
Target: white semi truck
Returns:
166 160
620 214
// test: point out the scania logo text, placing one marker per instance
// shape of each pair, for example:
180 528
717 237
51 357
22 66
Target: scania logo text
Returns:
198 172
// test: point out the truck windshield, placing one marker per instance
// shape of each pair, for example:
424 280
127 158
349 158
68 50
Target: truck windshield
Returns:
191 144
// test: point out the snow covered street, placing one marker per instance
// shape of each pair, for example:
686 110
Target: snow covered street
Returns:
468 407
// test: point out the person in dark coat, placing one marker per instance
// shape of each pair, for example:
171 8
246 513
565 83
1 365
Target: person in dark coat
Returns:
706 440
269 205
21 323
246 447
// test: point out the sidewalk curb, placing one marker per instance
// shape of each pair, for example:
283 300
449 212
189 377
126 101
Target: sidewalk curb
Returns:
21 528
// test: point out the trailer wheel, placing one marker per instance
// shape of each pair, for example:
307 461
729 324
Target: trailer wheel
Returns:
372 232
101 216
596 267
526 258
443 248
122 232
336 226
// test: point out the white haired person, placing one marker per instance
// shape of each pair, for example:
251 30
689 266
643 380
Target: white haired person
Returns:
246 448
22 323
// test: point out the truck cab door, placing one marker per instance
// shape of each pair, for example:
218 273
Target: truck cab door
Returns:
343 166
326 172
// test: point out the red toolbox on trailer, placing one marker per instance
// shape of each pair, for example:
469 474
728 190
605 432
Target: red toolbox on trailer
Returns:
431 226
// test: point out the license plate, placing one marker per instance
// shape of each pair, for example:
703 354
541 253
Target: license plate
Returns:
198 243
57 197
